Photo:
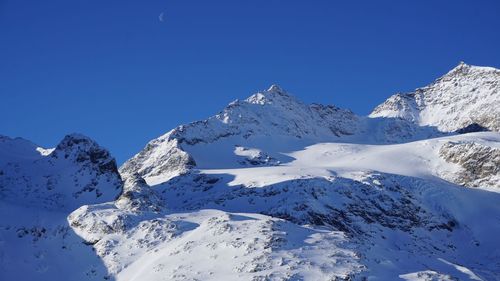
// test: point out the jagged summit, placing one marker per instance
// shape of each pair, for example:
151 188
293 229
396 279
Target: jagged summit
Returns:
78 171
461 65
467 95
74 144
76 138
275 88
82 149
464 69
465 72
273 95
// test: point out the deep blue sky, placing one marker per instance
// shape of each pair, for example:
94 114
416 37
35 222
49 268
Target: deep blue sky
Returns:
113 71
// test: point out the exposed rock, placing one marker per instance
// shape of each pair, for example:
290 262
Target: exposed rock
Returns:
480 164
138 196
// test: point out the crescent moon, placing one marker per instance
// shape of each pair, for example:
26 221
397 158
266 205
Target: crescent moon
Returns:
161 16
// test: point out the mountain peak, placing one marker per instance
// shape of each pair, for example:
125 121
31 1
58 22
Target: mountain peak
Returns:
78 171
77 144
466 95
461 69
468 71
74 139
83 149
276 89
274 94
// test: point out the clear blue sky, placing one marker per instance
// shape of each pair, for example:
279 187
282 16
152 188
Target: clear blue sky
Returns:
113 71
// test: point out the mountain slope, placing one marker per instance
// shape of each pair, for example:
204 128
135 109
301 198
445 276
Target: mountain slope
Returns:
465 99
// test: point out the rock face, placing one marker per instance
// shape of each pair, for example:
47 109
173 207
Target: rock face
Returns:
480 164
138 196
465 96
77 172
161 157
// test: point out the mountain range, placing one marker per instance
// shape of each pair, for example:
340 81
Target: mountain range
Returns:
270 188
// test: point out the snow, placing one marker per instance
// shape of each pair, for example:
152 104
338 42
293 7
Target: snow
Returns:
37 244
45 151
415 159
269 189
462 269
215 245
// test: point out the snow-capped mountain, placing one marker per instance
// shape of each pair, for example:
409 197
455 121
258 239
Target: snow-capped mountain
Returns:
271 189
269 113
465 99
271 119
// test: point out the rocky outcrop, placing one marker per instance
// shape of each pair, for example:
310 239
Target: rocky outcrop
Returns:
162 157
479 164
137 196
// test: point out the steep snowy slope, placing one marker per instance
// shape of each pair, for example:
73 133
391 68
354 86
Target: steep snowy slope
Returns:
38 189
465 99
